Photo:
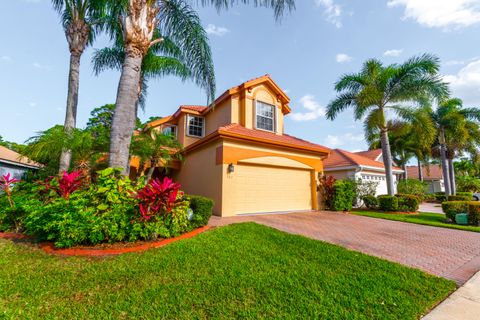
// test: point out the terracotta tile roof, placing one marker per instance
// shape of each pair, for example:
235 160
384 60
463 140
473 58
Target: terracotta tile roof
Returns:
432 172
193 108
12 156
371 154
284 139
341 158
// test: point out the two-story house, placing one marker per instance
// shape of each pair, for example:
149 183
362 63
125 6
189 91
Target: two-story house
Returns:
237 153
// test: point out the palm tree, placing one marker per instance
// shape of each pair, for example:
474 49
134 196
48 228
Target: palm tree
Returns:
176 20
458 131
377 89
79 18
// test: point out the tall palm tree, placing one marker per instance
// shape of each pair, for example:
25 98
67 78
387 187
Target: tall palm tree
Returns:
377 89
79 18
458 131
176 20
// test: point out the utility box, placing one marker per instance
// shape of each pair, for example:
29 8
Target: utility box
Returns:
461 218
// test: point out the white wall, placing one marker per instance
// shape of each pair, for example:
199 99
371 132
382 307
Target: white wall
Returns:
379 178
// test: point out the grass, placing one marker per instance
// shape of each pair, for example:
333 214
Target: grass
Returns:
239 271
430 219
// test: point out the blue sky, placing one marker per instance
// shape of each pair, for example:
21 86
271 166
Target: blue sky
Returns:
305 54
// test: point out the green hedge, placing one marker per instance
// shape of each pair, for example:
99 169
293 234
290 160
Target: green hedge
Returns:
466 194
344 195
452 208
440 196
474 213
408 202
388 203
459 198
370 202
202 210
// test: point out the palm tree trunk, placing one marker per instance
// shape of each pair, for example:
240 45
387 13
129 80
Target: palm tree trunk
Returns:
451 171
124 117
420 169
445 171
405 173
387 161
72 104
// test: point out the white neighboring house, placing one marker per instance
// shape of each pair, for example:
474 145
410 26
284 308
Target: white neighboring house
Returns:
15 164
432 175
364 165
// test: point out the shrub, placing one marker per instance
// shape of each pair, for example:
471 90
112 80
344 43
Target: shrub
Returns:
326 188
468 184
388 203
344 195
440 196
158 197
408 202
202 210
412 186
459 198
474 214
370 202
452 208
365 188
466 194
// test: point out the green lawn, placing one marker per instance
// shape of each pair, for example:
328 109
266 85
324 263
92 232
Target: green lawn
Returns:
430 219
239 271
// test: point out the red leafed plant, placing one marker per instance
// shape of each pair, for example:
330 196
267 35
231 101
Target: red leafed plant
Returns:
327 189
158 197
6 183
68 184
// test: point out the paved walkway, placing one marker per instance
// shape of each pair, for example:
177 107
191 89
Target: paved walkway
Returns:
452 254
463 304
431 207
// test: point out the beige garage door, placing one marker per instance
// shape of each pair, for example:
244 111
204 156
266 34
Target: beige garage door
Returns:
269 189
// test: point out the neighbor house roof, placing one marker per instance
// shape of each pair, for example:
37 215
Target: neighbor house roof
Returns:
341 159
14 158
237 131
371 154
431 172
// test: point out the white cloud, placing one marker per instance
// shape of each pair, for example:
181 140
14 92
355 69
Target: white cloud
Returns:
6 58
342 57
393 52
333 11
216 31
315 110
466 83
445 14
335 141
32 104
454 62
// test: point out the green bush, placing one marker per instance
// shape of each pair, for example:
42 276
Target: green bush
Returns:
344 195
466 194
202 210
370 202
474 213
412 186
452 208
459 198
468 184
408 202
388 203
440 196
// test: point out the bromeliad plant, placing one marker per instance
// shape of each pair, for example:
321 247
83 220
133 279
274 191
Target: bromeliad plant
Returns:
158 197
6 183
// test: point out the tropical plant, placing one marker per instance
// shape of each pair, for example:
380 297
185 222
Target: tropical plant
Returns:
80 21
6 185
468 184
140 21
158 197
412 186
377 89
327 190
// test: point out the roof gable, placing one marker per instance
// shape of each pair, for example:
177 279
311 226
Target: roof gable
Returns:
341 159
11 156
375 154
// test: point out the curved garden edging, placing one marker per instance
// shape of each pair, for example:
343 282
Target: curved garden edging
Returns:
49 248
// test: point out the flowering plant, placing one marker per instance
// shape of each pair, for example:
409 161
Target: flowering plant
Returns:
158 197
6 183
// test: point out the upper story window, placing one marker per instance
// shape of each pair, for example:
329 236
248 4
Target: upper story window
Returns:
195 126
170 130
265 116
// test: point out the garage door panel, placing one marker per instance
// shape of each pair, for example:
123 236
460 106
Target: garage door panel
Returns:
270 189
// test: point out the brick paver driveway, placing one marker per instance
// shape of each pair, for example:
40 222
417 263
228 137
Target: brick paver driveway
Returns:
448 253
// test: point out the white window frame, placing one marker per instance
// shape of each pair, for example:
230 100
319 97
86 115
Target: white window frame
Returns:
189 116
274 120
171 126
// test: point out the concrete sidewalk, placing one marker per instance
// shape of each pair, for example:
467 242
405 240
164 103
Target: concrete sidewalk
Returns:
463 304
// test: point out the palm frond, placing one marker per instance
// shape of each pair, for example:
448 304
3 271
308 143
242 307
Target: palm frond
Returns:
279 6
341 103
107 58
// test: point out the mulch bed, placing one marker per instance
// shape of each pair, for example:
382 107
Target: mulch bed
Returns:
103 250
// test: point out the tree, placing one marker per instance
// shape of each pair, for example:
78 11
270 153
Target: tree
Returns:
378 88
79 18
176 20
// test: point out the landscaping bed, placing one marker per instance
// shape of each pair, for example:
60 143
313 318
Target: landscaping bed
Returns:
238 271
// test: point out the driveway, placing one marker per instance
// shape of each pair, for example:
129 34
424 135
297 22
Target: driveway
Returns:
430 207
452 254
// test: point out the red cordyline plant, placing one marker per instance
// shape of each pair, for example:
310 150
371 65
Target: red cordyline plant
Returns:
158 197
68 183
6 183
